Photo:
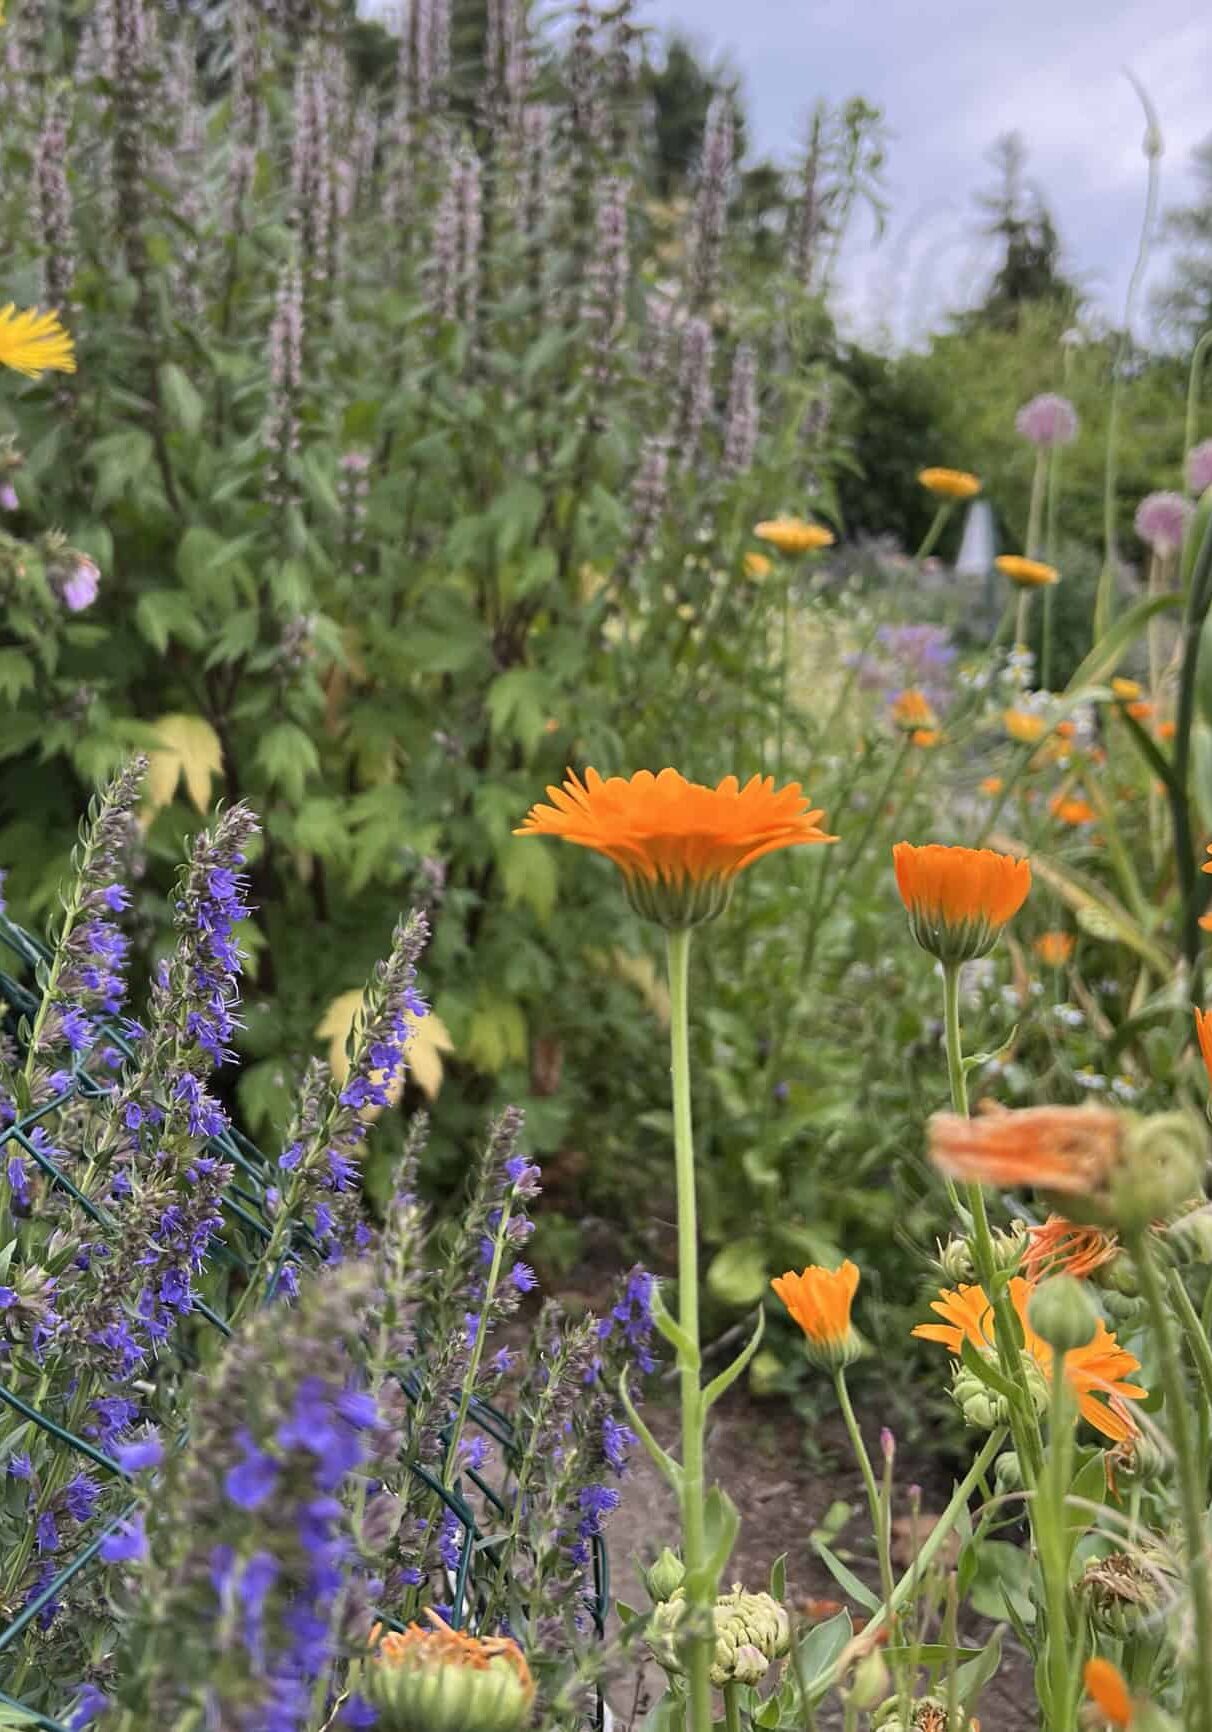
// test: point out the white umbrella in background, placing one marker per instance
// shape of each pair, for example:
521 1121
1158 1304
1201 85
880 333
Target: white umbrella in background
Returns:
975 558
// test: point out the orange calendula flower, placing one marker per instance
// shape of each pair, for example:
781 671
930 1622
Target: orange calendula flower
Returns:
1203 1030
1108 1690
757 565
925 739
1072 809
1067 1150
443 1677
1025 726
1207 865
911 710
678 844
1140 711
819 1300
1166 730
1095 1372
992 785
1054 948
34 343
1205 920
959 898
793 535
1057 1247
1026 573
949 483
1127 691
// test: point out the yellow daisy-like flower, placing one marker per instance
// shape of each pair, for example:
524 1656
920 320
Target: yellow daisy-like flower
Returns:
1127 691
949 483
1026 573
757 565
1024 726
1095 1372
793 535
34 343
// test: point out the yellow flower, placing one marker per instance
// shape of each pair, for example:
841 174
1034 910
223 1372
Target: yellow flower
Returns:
757 565
992 785
949 483
1027 573
1024 726
33 343
793 535
1127 691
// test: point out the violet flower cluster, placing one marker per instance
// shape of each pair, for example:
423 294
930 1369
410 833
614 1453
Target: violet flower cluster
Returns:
902 657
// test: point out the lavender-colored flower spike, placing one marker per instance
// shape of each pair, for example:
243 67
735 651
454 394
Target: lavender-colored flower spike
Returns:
741 432
55 206
694 388
649 494
1199 467
711 206
808 216
281 433
470 234
311 167
1161 521
442 272
606 276
1047 421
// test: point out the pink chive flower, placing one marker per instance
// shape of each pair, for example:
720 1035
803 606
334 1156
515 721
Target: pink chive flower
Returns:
1047 420
8 496
79 588
1161 520
1199 467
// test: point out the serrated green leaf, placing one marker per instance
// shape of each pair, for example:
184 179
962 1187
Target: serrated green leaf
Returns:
185 406
16 674
287 756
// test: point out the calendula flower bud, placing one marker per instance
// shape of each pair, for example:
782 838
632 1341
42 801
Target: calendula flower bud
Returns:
871 1679
1008 1474
1124 1594
744 1624
1062 1313
440 1680
749 1665
983 1407
1189 1237
1009 1246
927 1714
665 1577
954 1261
1137 1459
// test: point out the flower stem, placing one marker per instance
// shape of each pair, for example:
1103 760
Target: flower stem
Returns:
930 539
699 1592
1054 1548
732 1706
1020 618
1190 1488
784 653
879 1521
477 1351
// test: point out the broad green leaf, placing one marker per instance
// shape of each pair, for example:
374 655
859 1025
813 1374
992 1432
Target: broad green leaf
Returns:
974 1674
162 614
288 756
529 875
738 1273
16 674
845 1577
497 1034
821 1646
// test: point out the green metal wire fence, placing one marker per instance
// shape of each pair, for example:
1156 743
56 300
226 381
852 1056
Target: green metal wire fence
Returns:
246 1218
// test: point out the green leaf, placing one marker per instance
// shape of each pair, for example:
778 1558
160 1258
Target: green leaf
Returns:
973 1675
288 756
739 1272
322 828
1114 644
529 875
723 1383
518 704
163 614
819 1650
989 1374
722 1523
845 1577
671 1329
16 674
778 1578
185 406
1004 1576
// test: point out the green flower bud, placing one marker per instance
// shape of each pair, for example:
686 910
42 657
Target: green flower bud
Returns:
1009 1244
1119 1276
665 1577
871 1679
1138 1460
1062 1313
980 1405
743 1623
954 1262
1162 1167
1008 1474
1190 1236
749 1665
1124 1594
444 1681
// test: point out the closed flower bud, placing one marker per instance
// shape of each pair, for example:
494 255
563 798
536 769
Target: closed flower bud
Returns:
1189 1238
1062 1312
1124 1594
1009 1245
443 1681
1008 1474
665 1577
744 1624
954 1262
871 1680
1164 1158
749 1665
1137 1460
980 1405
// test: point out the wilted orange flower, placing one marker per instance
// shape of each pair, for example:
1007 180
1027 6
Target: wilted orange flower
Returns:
34 343
1026 573
1203 1030
1059 1248
1094 1372
1072 809
949 483
1140 711
992 785
1127 691
1025 726
912 710
1069 1150
1108 1690
758 565
819 1300
925 738
793 535
958 898
678 844
1054 948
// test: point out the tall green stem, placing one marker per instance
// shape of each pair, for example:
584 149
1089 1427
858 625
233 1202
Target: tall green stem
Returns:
930 539
878 1515
1178 1417
784 654
732 1707
1202 349
699 1592
1053 1542
477 1351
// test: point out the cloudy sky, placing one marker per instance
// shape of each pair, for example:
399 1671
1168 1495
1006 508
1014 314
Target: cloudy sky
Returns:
953 74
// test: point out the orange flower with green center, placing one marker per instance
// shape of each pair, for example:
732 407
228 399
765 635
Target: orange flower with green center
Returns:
1025 726
1108 1690
1054 948
442 1680
34 343
1095 1372
911 711
949 483
1026 573
819 1300
679 845
1057 1247
959 898
793 535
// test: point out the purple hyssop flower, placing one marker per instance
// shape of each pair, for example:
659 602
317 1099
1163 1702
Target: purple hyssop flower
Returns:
1161 520
80 588
1199 467
8 496
1047 420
